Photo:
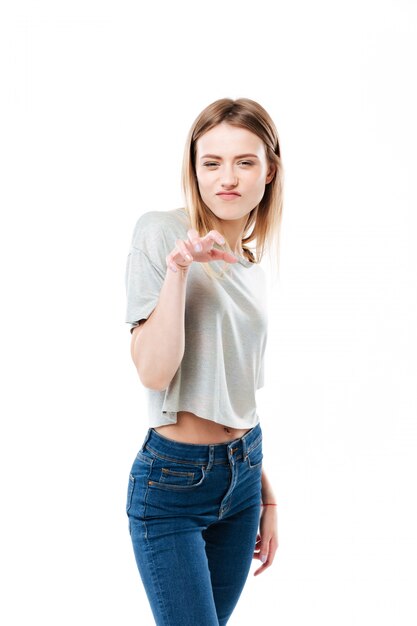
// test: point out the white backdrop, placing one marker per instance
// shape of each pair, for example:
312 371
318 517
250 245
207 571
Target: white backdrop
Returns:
97 100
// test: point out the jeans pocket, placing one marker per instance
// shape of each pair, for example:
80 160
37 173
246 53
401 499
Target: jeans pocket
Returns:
255 456
170 476
174 475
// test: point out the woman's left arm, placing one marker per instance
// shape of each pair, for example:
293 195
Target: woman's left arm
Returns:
267 538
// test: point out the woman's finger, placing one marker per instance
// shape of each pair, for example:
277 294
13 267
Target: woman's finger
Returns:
194 237
222 255
215 236
178 257
270 555
183 250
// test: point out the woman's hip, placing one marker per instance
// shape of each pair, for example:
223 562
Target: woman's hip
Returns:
175 480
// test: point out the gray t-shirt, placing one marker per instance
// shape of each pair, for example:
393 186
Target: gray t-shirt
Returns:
225 326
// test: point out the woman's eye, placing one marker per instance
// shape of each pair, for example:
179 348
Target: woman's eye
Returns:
213 164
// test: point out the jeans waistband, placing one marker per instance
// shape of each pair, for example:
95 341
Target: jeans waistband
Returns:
202 453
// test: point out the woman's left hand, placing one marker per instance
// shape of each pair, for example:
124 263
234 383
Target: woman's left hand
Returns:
267 538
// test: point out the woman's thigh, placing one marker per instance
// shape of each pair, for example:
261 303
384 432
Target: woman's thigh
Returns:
168 510
230 545
175 574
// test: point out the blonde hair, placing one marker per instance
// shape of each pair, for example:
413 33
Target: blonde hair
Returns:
266 217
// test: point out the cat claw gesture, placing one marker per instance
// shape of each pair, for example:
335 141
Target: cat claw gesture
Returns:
199 249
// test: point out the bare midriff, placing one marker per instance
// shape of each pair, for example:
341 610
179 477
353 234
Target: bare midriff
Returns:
190 428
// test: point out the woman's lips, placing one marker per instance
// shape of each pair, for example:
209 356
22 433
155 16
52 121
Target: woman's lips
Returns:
229 196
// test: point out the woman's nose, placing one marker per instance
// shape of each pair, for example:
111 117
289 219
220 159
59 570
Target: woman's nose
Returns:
228 177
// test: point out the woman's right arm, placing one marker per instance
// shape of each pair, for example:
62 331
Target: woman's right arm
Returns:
157 345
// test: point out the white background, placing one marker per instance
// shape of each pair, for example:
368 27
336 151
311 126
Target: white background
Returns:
97 100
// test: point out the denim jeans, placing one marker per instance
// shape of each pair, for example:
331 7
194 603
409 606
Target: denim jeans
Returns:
193 514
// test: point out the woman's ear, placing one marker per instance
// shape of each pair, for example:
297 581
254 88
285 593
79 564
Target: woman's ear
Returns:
271 173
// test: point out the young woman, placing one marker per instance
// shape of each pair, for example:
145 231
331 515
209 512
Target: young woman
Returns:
197 489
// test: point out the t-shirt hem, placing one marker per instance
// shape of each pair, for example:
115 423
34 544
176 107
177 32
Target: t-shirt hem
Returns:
170 417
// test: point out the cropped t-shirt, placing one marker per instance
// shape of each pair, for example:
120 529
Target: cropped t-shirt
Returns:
225 326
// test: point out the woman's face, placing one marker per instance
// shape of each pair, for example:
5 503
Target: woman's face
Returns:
232 170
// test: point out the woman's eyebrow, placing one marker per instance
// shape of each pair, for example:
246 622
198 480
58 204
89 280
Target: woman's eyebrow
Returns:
239 156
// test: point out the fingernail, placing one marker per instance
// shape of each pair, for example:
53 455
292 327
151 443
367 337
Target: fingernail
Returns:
198 247
188 257
263 558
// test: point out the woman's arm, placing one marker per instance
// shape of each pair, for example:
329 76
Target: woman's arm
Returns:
267 538
267 492
158 344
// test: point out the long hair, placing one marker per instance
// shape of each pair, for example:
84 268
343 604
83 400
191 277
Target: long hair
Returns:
264 220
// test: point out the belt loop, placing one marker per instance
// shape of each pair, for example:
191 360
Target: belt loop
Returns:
145 441
211 456
244 448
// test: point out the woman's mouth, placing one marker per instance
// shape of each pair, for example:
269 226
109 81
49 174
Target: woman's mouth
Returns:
228 195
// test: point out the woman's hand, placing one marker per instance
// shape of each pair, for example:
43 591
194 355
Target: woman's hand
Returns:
197 249
267 540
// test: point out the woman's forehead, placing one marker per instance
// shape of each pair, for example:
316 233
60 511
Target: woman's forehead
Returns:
225 140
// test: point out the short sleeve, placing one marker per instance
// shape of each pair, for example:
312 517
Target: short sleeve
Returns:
153 238
144 281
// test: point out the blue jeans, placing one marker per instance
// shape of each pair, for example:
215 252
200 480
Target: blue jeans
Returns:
193 516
